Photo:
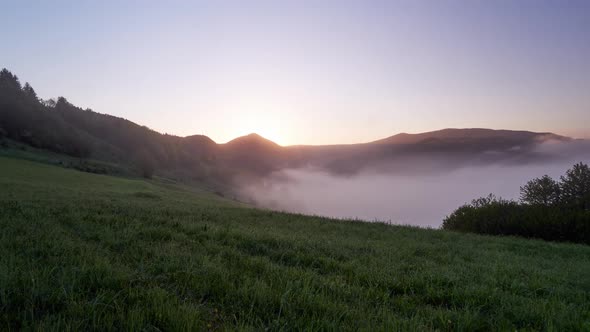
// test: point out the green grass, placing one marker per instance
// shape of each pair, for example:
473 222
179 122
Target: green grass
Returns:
82 251
13 149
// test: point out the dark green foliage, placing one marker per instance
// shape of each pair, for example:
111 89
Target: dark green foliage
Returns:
575 186
549 210
541 191
86 252
501 217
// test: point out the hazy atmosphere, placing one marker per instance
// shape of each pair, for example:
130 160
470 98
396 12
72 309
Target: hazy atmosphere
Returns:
310 72
421 198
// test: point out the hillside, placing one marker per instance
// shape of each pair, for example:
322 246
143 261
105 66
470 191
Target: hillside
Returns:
59 126
81 251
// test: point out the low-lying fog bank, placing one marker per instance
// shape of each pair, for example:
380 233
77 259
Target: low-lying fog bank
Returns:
421 200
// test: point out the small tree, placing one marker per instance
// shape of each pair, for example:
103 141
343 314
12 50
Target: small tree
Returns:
575 186
540 191
30 92
9 81
62 103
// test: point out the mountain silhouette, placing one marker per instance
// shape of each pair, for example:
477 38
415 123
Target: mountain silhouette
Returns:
61 127
467 135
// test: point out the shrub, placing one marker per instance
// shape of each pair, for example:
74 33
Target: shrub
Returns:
549 210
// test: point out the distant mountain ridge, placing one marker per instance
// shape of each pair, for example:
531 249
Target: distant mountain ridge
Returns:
467 133
62 127
443 135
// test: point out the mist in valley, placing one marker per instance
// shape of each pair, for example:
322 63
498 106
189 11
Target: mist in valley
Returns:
421 198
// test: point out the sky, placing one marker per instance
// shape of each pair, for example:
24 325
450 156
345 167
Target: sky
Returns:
310 72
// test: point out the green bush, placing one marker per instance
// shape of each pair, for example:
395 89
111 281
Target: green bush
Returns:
548 210
501 217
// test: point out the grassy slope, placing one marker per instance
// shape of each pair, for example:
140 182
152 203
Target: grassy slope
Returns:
13 149
82 251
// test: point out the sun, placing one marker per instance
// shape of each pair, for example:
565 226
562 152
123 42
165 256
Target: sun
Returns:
265 124
266 129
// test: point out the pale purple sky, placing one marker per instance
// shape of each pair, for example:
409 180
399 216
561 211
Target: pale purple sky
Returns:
310 72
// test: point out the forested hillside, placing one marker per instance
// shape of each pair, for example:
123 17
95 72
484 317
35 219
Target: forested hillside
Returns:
59 126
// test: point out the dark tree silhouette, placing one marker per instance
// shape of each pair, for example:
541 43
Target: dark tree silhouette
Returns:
8 81
30 92
540 191
59 126
575 186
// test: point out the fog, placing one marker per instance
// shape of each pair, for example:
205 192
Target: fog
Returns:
415 199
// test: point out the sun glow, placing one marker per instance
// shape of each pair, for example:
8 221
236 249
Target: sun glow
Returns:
263 123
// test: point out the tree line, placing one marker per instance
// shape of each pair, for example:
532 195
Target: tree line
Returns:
59 126
557 210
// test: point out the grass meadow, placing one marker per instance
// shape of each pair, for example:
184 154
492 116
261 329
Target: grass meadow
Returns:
82 251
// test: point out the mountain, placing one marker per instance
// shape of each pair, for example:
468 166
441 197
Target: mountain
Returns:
469 135
254 141
59 126
431 151
251 155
